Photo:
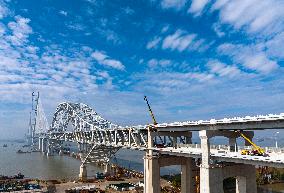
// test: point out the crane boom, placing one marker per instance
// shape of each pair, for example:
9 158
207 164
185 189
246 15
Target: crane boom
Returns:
151 112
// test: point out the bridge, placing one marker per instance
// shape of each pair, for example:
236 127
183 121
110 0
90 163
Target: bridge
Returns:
98 140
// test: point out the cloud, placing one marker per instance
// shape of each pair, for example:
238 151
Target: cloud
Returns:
158 82
217 28
173 4
103 59
275 46
63 12
251 58
153 43
223 70
153 63
197 6
20 30
180 40
254 16
4 11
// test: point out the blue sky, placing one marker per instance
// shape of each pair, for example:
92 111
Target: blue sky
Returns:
194 59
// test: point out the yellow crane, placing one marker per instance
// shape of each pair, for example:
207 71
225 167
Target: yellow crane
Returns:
151 112
256 149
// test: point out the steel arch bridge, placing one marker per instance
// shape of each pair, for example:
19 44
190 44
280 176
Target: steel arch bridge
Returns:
97 138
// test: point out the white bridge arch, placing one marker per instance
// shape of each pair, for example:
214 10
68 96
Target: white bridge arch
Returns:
97 138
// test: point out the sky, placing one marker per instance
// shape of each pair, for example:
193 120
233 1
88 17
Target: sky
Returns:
194 59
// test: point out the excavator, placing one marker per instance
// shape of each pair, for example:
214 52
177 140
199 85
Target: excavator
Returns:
256 151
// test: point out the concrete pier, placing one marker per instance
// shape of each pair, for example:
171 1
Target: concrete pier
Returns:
187 181
211 178
49 148
107 168
40 144
152 174
83 172
43 145
153 162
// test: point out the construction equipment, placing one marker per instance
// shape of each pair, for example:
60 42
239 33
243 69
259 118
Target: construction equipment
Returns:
150 110
257 151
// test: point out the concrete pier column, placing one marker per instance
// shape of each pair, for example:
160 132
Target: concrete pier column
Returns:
187 181
188 140
241 184
48 153
251 179
44 149
60 152
49 148
40 144
204 167
152 175
205 148
107 168
174 142
233 145
83 172
150 142
145 173
249 134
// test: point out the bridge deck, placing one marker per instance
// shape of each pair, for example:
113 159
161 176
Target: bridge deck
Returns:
238 123
274 159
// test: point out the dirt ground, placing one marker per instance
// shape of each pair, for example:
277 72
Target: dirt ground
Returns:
101 184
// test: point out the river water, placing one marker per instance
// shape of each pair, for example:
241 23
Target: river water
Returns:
37 165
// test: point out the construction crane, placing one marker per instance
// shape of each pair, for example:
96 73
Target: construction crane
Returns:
256 149
151 112
158 145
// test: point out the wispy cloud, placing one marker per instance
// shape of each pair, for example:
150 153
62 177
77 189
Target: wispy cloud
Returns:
180 41
104 59
223 70
173 4
156 63
20 30
3 9
249 57
153 43
197 6
63 12
254 16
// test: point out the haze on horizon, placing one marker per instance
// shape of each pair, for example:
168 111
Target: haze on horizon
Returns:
194 59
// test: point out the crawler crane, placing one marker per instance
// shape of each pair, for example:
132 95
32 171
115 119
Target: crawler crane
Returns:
257 151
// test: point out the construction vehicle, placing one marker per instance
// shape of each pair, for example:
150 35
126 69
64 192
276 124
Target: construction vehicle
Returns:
256 151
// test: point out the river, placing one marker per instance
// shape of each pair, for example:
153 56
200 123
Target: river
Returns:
37 165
